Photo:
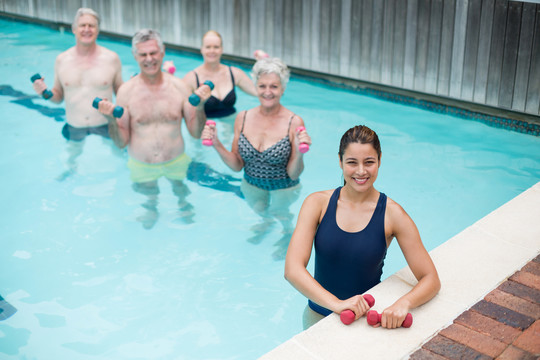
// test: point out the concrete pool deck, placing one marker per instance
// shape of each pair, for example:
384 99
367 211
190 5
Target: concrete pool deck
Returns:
475 267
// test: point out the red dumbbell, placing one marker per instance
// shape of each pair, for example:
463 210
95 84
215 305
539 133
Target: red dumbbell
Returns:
347 316
373 318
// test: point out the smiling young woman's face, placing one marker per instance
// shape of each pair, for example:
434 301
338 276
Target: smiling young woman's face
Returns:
360 165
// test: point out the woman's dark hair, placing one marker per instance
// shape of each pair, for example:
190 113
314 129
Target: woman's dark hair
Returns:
359 134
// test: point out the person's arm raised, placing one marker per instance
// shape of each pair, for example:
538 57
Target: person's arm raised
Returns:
295 167
231 158
243 81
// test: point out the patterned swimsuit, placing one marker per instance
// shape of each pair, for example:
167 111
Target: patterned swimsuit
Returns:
266 170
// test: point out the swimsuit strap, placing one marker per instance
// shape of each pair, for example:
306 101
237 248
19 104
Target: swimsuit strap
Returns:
196 77
290 122
243 122
232 77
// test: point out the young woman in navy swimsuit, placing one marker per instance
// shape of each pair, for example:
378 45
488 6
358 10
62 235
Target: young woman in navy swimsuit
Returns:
351 227
266 145
225 78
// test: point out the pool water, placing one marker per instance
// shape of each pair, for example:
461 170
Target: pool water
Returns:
89 282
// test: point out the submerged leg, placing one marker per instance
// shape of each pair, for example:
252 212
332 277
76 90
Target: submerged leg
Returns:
259 201
280 203
150 190
74 150
186 210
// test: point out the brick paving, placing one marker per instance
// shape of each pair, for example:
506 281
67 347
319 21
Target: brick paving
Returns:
505 325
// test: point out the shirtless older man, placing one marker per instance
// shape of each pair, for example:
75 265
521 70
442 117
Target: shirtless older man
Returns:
154 104
83 72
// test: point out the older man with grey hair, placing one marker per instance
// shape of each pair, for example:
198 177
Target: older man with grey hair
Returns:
81 73
154 103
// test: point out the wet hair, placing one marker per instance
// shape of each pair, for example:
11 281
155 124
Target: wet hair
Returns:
146 35
360 134
271 66
212 32
84 11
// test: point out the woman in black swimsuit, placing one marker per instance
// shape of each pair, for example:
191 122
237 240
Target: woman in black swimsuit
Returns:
225 78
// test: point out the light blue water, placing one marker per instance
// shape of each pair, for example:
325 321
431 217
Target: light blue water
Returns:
90 283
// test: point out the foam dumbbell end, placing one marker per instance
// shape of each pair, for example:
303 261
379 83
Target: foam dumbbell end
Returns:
209 142
47 94
169 67
347 316
373 318
303 147
118 111
194 99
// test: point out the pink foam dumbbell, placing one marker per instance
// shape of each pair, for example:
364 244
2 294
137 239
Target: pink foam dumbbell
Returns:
373 318
209 142
169 67
347 316
303 147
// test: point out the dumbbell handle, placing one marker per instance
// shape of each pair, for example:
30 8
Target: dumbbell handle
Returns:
194 99
347 316
118 111
209 142
373 318
303 147
47 94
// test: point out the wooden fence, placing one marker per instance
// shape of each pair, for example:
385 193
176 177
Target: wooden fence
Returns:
485 52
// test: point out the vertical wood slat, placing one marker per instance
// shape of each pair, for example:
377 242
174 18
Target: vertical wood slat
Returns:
532 105
443 83
496 53
458 49
434 46
484 47
513 24
424 9
387 42
376 37
334 38
485 51
524 57
356 40
399 43
345 40
471 49
410 44
365 39
306 44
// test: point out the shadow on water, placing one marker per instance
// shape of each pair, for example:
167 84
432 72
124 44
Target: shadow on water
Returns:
6 309
27 101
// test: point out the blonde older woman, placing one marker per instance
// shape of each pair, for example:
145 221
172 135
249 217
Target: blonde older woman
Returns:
266 145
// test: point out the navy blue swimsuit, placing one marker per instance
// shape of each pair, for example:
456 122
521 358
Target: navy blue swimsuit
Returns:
348 264
215 108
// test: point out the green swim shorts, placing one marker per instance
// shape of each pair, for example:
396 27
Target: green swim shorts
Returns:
175 169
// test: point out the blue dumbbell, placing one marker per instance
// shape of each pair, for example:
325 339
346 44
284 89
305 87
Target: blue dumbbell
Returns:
47 94
117 112
194 99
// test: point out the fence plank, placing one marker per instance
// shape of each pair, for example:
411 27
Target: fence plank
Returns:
533 91
434 46
471 49
524 57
